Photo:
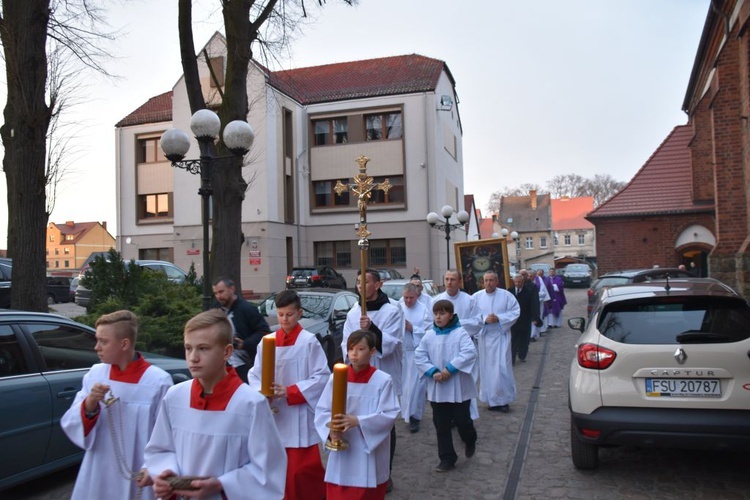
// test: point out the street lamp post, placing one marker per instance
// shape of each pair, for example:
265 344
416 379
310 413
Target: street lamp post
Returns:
433 220
238 136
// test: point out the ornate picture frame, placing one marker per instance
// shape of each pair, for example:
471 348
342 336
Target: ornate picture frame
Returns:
473 258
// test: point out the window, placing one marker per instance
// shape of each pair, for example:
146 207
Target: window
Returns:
325 196
542 242
555 241
70 237
156 254
566 240
529 243
337 254
395 194
388 252
383 126
64 347
149 151
581 239
330 131
155 206
12 361
57 251
66 263
66 250
217 69
57 263
52 237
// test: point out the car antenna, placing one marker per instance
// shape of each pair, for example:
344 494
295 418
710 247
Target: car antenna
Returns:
667 288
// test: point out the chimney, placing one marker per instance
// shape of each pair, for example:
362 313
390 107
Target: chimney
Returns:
532 195
70 223
104 224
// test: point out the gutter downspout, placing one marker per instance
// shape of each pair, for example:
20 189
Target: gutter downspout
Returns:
427 180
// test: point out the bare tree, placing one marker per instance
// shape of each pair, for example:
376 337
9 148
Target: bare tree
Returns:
268 24
602 187
571 185
26 29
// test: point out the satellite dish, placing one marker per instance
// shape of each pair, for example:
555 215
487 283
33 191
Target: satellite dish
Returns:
128 240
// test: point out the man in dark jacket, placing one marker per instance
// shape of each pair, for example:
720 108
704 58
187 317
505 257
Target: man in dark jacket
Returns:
248 325
520 333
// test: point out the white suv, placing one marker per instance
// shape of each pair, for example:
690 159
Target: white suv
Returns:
662 364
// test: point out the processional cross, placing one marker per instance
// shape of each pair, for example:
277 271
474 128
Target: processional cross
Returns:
362 187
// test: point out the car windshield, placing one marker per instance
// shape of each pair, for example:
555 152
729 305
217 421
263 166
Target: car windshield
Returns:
577 268
676 320
394 291
313 305
302 273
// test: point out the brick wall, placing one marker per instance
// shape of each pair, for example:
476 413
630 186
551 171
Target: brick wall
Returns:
641 242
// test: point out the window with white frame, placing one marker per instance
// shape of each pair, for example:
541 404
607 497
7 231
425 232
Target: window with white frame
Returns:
529 243
581 239
542 242
566 240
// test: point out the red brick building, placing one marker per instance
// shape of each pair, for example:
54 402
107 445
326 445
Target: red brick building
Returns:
655 219
717 102
689 203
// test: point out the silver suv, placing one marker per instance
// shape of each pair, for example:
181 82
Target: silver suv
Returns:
662 364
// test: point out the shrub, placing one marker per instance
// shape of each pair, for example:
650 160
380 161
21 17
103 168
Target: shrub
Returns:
162 307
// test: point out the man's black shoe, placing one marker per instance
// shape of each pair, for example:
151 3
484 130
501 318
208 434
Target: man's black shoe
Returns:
413 425
470 449
504 408
445 467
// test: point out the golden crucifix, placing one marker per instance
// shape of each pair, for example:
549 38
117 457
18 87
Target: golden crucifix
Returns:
362 187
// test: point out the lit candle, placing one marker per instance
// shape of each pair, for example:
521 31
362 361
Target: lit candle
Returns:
340 375
269 365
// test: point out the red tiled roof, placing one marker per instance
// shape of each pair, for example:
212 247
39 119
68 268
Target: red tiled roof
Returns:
357 79
663 185
77 228
156 109
486 227
331 82
569 213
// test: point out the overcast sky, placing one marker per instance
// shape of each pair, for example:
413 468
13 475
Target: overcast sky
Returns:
546 87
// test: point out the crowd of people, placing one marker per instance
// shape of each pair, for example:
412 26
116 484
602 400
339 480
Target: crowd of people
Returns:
217 436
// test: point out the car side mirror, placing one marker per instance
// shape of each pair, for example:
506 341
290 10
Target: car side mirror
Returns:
577 324
339 315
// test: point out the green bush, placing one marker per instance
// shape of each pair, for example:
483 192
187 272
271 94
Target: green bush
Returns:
162 307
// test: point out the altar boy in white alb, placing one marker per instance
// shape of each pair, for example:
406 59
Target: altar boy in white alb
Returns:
446 357
500 310
114 437
215 427
362 471
300 375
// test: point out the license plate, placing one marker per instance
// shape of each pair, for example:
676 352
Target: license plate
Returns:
683 387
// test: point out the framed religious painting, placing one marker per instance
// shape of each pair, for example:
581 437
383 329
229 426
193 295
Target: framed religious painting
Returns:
474 258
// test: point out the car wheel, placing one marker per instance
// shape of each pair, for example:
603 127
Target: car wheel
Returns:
51 300
585 455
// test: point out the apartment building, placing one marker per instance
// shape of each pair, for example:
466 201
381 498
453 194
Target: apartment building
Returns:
311 124
71 243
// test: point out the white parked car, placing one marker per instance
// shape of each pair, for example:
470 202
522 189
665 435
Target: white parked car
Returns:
662 364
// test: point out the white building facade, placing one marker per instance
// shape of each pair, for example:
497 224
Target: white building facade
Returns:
311 125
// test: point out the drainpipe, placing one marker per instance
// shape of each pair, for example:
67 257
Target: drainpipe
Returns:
427 167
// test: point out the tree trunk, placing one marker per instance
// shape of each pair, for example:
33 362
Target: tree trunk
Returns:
226 177
23 31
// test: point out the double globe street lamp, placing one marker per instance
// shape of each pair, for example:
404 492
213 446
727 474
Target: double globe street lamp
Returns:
238 137
447 211
514 236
